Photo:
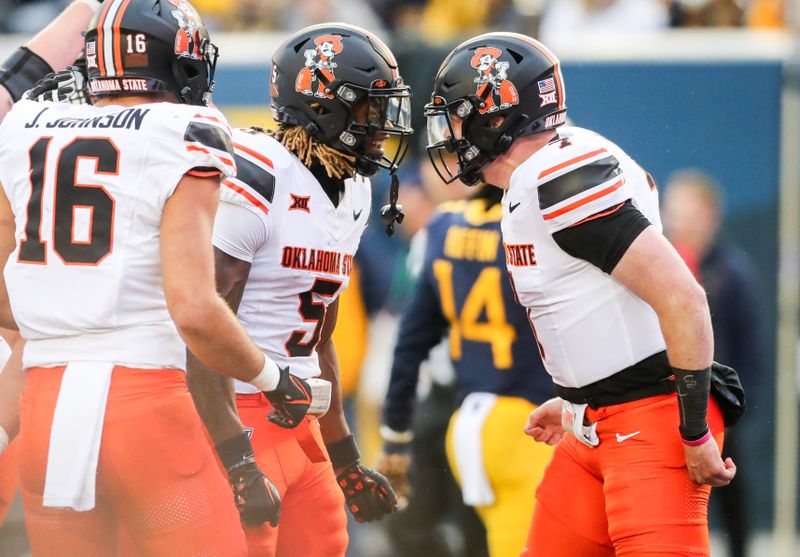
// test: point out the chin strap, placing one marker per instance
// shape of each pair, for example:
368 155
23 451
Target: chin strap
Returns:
393 212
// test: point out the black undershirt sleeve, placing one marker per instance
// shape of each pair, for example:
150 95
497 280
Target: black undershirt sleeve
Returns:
602 240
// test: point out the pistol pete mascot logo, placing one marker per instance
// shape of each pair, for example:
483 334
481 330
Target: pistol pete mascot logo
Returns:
319 61
187 41
492 75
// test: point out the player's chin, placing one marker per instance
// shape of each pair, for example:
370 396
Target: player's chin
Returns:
375 149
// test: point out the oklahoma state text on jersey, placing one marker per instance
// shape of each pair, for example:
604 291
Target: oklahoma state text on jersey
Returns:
275 215
87 186
588 325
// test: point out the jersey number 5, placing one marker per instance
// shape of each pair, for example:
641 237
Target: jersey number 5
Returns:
484 298
313 312
69 197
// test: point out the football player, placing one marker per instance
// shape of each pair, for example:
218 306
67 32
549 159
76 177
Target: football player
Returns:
621 322
106 216
285 235
462 292
54 47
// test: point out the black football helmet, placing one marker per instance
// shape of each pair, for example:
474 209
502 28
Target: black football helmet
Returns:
341 83
136 47
490 90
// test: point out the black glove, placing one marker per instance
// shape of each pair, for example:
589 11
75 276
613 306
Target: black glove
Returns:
255 496
368 493
67 85
290 400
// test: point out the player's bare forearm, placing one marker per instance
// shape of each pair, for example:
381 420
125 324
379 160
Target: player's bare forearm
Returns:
214 394
333 423
215 399
653 270
61 42
208 326
12 383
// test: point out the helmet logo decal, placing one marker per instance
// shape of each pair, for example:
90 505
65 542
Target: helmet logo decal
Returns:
494 87
187 40
547 91
318 69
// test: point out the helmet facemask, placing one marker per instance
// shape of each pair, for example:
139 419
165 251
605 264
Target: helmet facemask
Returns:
454 153
379 117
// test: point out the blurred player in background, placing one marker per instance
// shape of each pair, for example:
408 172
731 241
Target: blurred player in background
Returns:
620 321
463 290
106 288
693 214
288 227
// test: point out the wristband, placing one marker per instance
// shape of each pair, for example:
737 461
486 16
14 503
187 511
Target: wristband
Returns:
343 453
391 436
706 436
3 440
20 71
269 376
694 387
236 451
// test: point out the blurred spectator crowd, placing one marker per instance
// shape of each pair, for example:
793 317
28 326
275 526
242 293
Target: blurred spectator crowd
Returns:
440 21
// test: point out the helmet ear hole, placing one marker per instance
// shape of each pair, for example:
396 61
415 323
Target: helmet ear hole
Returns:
318 108
190 71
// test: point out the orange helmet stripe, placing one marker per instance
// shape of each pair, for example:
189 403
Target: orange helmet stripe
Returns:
118 37
101 61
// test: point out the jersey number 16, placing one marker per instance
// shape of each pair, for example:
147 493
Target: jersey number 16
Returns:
70 195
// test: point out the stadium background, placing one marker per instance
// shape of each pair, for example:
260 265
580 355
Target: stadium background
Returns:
721 100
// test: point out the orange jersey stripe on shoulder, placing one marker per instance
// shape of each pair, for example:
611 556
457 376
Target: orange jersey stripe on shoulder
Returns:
584 201
226 160
600 215
204 173
255 154
570 162
247 195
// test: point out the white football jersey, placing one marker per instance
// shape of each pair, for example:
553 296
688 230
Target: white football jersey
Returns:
587 324
87 186
276 216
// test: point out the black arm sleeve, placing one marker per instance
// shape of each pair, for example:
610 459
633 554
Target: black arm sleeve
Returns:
422 327
21 70
602 240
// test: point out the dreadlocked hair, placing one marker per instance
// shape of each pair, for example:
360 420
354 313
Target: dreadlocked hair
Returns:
337 165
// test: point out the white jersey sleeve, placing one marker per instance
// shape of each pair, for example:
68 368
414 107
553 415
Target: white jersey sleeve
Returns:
580 181
206 148
239 232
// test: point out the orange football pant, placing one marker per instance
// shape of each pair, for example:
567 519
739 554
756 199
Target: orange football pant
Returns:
629 496
9 478
157 477
313 521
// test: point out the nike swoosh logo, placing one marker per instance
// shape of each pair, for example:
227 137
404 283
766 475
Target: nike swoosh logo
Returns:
514 206
621 438
356 215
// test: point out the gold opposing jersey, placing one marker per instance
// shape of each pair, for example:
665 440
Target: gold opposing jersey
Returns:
87 186
276 216
588 326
